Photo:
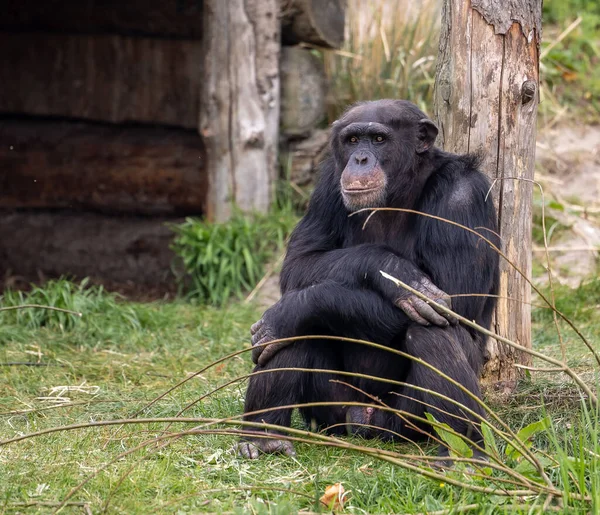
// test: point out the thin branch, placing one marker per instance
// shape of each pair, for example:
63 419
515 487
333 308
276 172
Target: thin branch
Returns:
537 369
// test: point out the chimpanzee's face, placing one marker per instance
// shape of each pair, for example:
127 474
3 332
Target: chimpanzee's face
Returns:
377 145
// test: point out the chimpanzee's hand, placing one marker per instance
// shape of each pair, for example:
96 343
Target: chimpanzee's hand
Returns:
415 308
422 312
270 327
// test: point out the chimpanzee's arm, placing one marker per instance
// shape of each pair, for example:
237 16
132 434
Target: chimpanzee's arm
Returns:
327 308
457 260
316 254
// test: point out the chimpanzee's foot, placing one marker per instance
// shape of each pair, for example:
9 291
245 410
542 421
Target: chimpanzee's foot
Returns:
359 421
252 448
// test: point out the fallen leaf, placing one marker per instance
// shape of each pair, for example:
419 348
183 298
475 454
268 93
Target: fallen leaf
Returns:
334 497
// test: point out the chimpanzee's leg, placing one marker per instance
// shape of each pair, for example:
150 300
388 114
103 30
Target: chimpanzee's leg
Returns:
448 350
268 390
320 310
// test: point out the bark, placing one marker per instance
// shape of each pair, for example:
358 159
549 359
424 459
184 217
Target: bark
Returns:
101 77
239 116
486 99
143 170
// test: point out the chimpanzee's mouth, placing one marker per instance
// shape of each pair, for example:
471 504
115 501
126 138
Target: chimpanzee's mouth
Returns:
361 190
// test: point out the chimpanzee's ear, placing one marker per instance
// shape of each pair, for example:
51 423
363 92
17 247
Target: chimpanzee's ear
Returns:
427 132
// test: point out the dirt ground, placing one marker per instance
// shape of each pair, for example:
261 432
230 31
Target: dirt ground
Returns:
568 168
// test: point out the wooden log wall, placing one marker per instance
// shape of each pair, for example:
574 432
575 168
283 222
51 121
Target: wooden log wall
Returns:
99 130
173 19
106 110
123 250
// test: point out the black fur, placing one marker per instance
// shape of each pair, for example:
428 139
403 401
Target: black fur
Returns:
331 284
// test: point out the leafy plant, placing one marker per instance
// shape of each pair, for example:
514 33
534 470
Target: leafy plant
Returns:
557 11
554 228
220 260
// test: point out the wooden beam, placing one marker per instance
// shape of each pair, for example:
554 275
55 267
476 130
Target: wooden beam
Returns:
143 170
162 18
319 22
239 114
486 99
101 77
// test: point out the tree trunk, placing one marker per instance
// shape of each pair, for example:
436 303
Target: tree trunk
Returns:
486 101
239 113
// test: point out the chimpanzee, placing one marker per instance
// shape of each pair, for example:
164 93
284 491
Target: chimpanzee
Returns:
381 156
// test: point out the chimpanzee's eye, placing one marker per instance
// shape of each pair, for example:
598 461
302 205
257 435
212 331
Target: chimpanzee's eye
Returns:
379 139
353 139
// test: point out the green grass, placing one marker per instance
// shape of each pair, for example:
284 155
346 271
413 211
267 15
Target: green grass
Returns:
570 55
114 368
580 305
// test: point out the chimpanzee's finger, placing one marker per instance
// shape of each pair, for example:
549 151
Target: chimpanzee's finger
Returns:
256 352
278 446
258 347
260 334
248 450
451 318
429 314
406 306
256 326
270 351
252 450
438 296
434 293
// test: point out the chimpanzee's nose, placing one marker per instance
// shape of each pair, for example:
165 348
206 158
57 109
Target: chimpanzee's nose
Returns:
361 158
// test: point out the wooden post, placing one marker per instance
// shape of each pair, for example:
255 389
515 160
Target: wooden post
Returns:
486 101
239 108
